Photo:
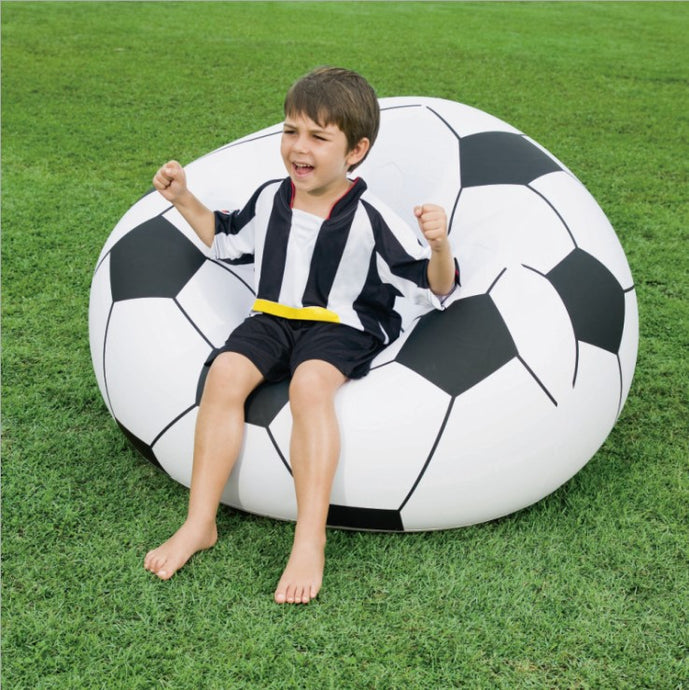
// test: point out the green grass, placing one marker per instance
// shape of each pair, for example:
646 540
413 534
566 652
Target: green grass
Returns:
587 589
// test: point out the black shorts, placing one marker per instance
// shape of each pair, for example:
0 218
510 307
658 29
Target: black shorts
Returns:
277 346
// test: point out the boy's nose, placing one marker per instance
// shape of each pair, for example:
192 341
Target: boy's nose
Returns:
301 144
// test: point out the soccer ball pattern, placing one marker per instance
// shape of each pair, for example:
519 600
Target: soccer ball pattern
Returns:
472 414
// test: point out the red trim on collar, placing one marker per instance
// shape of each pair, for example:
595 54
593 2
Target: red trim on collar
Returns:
352 184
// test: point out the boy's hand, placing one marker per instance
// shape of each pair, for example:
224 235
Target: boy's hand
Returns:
433 224
441 267
171 181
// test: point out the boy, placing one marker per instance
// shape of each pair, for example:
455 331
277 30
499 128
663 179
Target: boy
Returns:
330 262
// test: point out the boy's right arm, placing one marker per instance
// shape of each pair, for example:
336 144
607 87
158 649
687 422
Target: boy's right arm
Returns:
171 182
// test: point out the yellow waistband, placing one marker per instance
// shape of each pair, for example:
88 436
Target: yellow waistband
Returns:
306 313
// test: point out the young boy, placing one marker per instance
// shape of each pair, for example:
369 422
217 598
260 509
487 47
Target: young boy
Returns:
330 261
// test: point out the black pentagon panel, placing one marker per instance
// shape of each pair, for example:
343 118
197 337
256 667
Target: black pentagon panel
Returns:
501 158
457 348
264 404
593 298
153 260
140 446
377 519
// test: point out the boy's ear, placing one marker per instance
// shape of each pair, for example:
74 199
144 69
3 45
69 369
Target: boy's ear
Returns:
358 151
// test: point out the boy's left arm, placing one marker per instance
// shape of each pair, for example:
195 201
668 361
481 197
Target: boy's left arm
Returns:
441 267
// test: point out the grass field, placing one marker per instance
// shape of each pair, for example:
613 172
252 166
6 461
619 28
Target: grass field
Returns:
587 589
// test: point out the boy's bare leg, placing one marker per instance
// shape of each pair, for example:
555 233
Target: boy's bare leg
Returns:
314 452
217 442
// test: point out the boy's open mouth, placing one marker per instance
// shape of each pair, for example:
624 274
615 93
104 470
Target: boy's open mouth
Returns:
301 169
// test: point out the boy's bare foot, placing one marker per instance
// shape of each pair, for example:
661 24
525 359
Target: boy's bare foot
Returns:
303 576
169 557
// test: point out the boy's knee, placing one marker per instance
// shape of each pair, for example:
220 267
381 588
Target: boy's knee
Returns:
303 390
314 385
232 376
221 369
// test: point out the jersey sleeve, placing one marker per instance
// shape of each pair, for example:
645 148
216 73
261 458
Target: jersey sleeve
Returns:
402 261
235 232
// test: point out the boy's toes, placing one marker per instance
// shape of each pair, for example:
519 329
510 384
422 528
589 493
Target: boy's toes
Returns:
295 594
156 564
284 595
149 562
302 578
301 595
153 560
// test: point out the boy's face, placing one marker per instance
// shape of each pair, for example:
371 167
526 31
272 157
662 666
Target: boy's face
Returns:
317 157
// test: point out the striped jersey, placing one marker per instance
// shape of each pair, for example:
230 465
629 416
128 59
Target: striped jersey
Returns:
348 268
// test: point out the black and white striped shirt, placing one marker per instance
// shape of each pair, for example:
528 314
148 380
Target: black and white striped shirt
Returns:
348 268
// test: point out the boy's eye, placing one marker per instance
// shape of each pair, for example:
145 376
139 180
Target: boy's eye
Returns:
287 131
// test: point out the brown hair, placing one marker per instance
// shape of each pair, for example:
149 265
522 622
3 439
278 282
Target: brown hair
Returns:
333 95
